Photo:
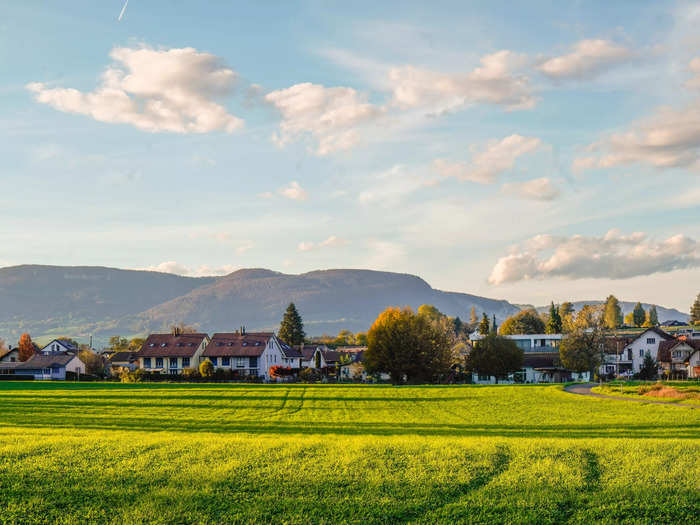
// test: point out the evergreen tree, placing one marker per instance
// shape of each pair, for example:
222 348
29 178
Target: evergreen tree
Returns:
554 324
695 311
612 315
484 325
292 327
494 326
649 368
653 316
638 315
457 325
565 309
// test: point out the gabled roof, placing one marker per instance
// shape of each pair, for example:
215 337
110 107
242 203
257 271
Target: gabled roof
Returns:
5 352
665 348
288 351
67 345
658 331
235 344
169 345
123 357
45 361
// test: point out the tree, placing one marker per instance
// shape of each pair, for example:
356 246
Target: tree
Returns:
612 313
25 347
474 320
554 325
566 313
653 316
118 343
206 368
484 325
590 317
94 365
581 350
524 322
292 326
495 355
408 347
345 338
649 368
695 311
361 338
136 343
430 312
494 326
457 325
638 315
629 319
3 346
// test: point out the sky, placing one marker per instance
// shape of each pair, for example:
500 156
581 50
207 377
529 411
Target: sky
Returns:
528 151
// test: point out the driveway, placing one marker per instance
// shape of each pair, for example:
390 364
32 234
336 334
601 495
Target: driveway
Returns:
584 389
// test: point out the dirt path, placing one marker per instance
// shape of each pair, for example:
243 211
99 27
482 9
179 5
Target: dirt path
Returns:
584 389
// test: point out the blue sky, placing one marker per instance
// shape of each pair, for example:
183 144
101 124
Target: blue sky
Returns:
530 152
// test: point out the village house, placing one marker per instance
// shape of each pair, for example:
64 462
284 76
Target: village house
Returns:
694 363
11 355
625 356
50 367
171 353
541 362
674 357
59 346
119 361
251 353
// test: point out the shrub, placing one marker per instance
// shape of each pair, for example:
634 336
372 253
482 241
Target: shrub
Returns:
128 376
206 368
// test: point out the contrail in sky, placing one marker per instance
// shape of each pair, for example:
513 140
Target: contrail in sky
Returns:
123 9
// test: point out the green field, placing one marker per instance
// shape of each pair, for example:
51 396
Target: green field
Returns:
177 453
680 392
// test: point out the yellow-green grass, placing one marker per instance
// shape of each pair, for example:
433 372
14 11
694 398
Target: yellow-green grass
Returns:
688 392
176 453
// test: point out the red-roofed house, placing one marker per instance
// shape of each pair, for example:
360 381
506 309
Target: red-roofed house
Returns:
251 354
674 356
171 354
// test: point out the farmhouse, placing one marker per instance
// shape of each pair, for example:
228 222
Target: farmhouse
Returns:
123 360
59 346
674 357
50 366
250 354
626 355
9 356
694 364
171 353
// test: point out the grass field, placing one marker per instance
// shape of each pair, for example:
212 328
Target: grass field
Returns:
175 453
680 392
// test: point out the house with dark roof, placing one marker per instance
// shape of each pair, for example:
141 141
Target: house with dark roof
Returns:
693 362
123 360
250 353
625 356
171 353
52 367
674 357
10 355
60 346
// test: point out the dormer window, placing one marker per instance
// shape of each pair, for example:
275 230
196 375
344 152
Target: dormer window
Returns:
151 345
244 344
163 345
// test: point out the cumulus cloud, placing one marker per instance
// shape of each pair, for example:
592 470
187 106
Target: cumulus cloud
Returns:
587 58
174 90
669 139
294 191
199 271
494 82
694 67
612 256
486 165
330 242
332 116
541 189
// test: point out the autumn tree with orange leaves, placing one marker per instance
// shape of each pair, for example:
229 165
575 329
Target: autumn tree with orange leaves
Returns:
26 347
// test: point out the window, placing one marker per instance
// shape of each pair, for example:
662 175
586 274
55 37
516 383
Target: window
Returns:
159 362
240 362
225 361
147 362
253 362
213 360
173 362
185 362
641 353
484 378
651 340
677 353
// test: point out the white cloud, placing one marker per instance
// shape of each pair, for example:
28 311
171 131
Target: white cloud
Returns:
541 189
494 82
244 247
200 271
332 116
587 58
612 256
694 67
486 165
170 90
669 139
390 186
330 242
294 191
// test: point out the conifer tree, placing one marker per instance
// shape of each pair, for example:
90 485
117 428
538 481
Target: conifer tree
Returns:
612 316
638 315
484 325
653 316
292 327
494 326
695 311
473 319
554 324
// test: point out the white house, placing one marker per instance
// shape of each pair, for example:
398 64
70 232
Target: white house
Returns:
250 353
9 356
59 346
674 357
694 364
50 366
171 353
628 355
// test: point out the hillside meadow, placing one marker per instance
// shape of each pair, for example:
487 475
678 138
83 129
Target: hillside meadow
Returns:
206 453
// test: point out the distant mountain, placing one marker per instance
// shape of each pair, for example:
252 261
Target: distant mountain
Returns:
665 314
79 301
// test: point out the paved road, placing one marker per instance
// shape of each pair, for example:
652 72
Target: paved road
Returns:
584 389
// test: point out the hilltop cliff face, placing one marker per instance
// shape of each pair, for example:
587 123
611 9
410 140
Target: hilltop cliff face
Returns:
84 300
